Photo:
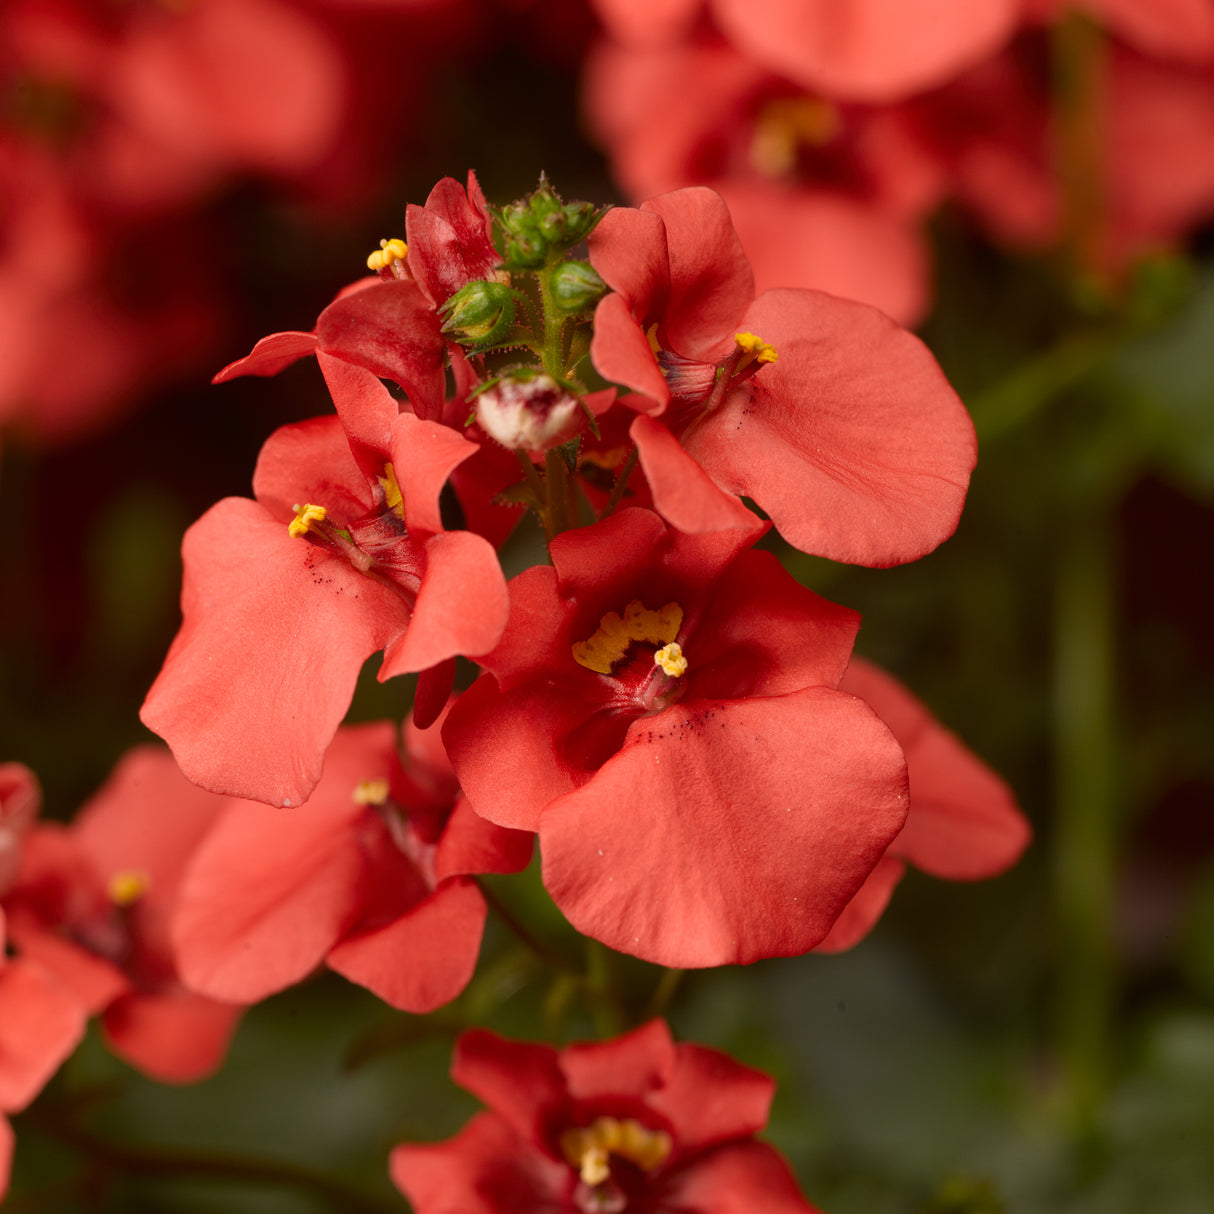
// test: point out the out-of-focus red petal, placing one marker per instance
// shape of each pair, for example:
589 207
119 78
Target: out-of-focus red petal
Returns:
683 493
424 959
93 981
710 1098
631 1065
461 607
963 824
20 800
853 441
484 1169
1174 29
654 21
871 50
7 1143
273 636
739 1178
860 915
392 330
268 894
271 355
832 243
711 283
471 844
172 1037
518 1080
747 827
41 1022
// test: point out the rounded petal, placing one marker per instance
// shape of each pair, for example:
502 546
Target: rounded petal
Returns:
268 894
424 959
683 493
852 441
860 915
172 1037
390 328
461 607
710 1098
653 21
424 454
41 1023
310 460
366 409
484 1169
711 283
739 1178
621 353
471 844
1178 29
635 1064
518 1080
628 249
871 50
749 826
964 823
273 636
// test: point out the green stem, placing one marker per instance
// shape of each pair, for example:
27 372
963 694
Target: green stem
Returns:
523 933
621 484
1079 90
108 1156
608 1018
663 993
556 478
1086 779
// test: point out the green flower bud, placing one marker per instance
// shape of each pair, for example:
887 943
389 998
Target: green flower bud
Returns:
576 286
479 311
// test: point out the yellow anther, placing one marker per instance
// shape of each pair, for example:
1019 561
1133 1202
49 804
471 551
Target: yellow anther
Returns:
127 886
610 642
589 1148
670 658
389 251
612 459
392 497
304 517
371 792
756 347
785 125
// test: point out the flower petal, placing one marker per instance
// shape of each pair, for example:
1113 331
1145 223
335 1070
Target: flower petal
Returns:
749 826
172 1037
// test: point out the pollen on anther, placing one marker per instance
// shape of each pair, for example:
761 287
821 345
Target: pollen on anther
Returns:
371 792
304 517
756 347
670 658
389 251
127 886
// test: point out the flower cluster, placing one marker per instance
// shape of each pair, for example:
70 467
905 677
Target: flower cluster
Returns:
710 777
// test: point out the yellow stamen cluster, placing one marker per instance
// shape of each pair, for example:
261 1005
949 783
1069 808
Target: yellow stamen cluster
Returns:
305 516
756 347
371 792
785 125
127 886
615 633
389 251
392 496
588 1148
670 658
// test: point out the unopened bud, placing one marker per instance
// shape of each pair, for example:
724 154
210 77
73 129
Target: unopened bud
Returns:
479 311
576 286
529 412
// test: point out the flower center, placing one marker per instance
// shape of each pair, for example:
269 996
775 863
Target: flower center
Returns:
591 1148
788 124
610 645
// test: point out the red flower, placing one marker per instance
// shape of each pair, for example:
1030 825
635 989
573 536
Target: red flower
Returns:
342 554
838 423
661 709
634 1124
963 823
41 1023
822 194
91 905
1170 29
875 50
370 877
